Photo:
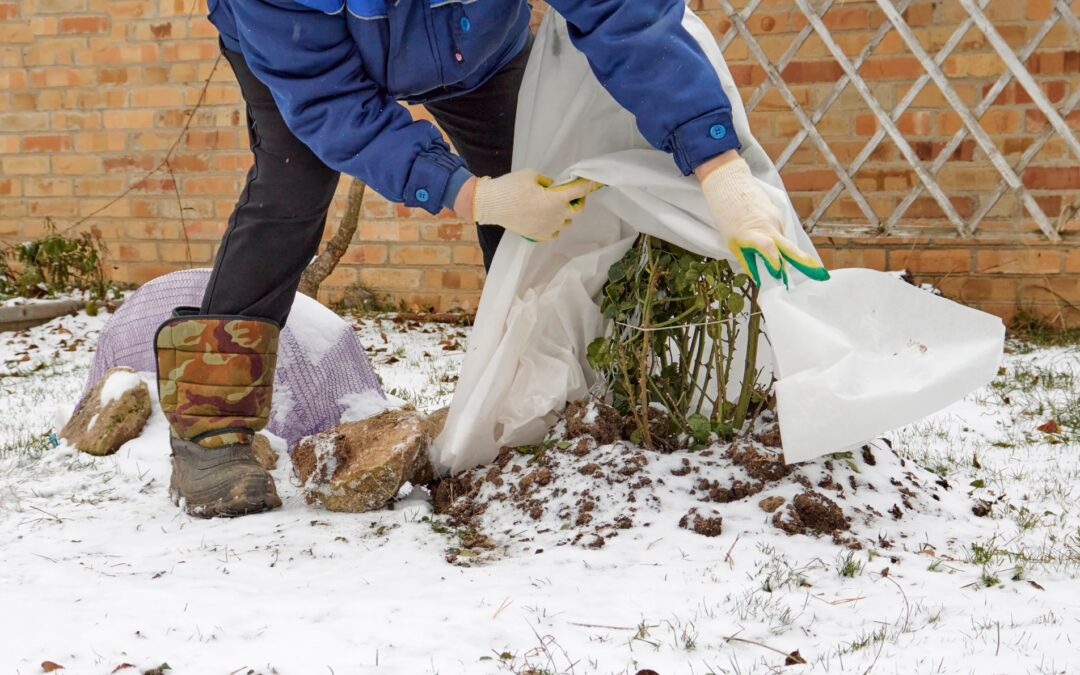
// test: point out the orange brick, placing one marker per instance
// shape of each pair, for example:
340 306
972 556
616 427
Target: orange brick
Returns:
128 119
84 24
50 143
24 121
13 166
926 260
383 278
76 164
157 96
975 290
1052 178
371 254
47 187
468 255
420 255
212 185
387 230
1020 261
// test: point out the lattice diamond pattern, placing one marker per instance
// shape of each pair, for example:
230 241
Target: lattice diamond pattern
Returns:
926 172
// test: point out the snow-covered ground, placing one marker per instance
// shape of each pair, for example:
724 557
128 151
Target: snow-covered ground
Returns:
99 570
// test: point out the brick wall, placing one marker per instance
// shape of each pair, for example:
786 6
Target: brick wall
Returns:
94 93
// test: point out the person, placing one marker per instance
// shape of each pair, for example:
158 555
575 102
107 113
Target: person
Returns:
322 81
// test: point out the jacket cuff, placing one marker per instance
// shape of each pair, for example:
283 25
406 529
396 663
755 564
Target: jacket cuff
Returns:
453 187
430 177
701 139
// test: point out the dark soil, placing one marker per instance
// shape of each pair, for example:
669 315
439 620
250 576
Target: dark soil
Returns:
868 455
761 465
606 426
770 504
724 494
814 512
709 526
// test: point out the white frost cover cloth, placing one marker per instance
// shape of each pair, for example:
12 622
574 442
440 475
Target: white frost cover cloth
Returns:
855 356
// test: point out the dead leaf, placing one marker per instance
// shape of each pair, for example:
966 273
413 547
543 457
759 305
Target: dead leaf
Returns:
1050 426
794 659
122 666
160 670
50 666
885 571
1036 585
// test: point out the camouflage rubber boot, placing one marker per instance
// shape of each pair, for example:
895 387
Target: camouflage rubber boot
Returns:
215 381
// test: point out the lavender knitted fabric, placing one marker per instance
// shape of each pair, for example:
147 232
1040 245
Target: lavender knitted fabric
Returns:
320 359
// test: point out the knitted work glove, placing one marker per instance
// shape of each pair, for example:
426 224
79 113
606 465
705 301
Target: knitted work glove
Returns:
527 203
752 226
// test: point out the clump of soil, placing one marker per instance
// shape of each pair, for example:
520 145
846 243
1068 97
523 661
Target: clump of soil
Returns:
713 491
595 419
709 526
583 492
812 511
770 504
760 464
659 429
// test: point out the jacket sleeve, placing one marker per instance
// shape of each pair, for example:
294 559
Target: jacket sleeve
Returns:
312 66
654 68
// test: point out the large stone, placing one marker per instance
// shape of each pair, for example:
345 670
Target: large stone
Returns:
114 411
360 466
436 421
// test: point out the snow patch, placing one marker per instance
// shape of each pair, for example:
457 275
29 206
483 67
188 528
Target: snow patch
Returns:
316 328
363 405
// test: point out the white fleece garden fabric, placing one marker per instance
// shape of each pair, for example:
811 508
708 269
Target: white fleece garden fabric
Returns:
855 356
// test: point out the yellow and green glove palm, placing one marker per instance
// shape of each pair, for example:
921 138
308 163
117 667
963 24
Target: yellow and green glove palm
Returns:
527 203
752 226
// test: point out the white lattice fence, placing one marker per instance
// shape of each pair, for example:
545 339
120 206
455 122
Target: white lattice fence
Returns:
1010 170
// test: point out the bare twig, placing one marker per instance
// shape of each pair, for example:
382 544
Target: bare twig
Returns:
325 262
180 210
732 638
164 160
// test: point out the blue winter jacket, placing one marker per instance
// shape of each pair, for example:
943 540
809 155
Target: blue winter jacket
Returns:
338 67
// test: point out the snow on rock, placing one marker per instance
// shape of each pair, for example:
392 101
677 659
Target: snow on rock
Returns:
360 466
115 412
362 405
116 383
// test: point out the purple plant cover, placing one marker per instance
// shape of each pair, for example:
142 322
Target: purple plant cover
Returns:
319 362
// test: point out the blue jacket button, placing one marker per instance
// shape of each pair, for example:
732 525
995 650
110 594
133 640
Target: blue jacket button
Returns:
466 25
422 195
718 131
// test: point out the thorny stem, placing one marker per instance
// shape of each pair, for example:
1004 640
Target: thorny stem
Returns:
643 357
753 333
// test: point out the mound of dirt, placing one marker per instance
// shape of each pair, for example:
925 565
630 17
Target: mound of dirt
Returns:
574 490
709 526
595 419
812 511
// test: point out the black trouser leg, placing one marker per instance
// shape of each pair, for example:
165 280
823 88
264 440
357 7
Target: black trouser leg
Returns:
480 124
278 221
